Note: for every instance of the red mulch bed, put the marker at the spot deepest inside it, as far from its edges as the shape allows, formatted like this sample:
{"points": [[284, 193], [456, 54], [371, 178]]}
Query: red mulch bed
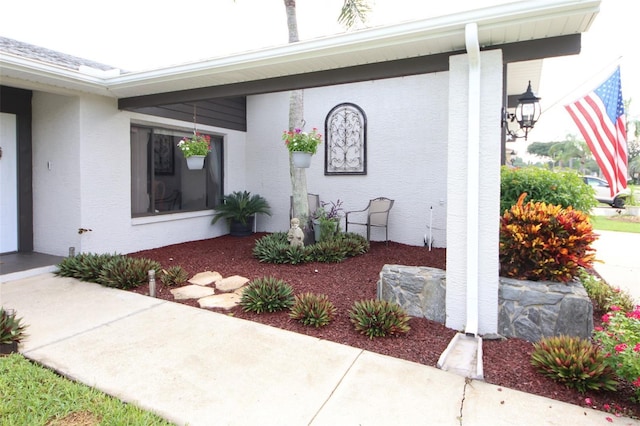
{"points": [[506, 362]]}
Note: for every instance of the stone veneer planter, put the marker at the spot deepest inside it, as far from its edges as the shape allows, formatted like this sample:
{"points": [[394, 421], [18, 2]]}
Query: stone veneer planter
{"points": [[526, 309]]}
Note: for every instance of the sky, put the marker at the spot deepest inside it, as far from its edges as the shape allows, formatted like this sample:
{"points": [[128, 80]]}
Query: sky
{"points": [[138, 35]]}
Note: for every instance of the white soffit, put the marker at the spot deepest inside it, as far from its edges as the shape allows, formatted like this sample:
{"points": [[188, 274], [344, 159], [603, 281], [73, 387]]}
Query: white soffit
{"points": [[507, 23]]}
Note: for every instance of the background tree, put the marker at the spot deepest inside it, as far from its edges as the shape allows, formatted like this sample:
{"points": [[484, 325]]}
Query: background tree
{"points": [[571, 152], [352, 12]]}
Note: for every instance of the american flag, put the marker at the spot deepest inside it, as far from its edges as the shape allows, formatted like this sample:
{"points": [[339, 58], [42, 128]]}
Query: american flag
{"points": [[600, 118]]}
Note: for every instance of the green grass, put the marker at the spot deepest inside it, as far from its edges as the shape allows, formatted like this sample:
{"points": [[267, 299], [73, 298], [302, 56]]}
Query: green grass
{"points": [[604, 223], [33, 395]]}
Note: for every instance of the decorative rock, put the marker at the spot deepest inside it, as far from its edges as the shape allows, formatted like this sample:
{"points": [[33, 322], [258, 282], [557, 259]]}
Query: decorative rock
{"points": [[224, 301], [192, 292], [205, 278], [231, 283], [421, 291], [528, 310], [531, 310]]}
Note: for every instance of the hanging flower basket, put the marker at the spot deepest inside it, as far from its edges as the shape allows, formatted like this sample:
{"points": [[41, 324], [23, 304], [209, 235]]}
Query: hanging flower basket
{"points": [[195, 162], [302, 145], [301, 160], [195, 148]]}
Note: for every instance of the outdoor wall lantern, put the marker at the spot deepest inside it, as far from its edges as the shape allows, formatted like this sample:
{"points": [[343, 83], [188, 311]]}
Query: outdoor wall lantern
{"points": [[527, 114]]}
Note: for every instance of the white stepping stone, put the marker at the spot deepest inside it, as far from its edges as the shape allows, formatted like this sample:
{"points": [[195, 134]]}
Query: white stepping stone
{"points": [[231, 283], [205, 278], [223, 301], [192, 292]]}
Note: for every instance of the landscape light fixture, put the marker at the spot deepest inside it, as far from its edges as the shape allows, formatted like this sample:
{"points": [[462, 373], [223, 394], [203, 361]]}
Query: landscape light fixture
{"points": [[527, 114]]}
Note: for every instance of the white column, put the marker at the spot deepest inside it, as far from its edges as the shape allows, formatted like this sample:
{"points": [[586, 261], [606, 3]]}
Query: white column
{"points": [[473, 194]]}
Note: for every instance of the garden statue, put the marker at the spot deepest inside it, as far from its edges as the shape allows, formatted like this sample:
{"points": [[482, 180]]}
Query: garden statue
{"points": [[296, 235]]}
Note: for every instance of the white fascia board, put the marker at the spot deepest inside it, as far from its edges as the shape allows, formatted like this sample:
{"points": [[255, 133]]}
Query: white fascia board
{"points": [[450, 26], [41, 73]]}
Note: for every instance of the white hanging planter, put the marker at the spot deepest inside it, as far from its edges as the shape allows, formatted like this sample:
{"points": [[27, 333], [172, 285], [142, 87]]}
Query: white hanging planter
{"points": [[195, 162], [301, 160]]}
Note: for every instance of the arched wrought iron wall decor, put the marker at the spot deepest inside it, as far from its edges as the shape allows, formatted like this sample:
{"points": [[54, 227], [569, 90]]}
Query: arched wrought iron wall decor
{"points": [[345, 147]]}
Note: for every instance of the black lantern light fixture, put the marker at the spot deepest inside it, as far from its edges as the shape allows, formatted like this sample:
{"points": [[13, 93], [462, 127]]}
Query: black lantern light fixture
{"points": [[527, 114]]}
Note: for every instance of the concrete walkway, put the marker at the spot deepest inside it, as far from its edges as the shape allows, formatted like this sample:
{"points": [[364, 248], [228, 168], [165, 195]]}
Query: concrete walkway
{"points": [[619, 260], [196, 367]]}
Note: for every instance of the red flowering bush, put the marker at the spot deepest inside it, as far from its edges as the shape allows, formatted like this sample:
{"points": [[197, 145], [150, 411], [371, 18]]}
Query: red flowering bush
{"points": [[619, 340], [540, 241]]}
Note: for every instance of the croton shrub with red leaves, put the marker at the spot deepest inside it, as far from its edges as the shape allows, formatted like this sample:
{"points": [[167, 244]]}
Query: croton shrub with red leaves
{"points": [[540, 241]]}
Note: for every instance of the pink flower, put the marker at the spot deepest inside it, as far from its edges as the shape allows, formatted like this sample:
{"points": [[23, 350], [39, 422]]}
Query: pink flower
{"points": [[636, 347], [606, 407], [605, 318], [621, 347], [636, 382], [588, 401], [609, 419], [634, 314], [598, 328], [614, 308]]}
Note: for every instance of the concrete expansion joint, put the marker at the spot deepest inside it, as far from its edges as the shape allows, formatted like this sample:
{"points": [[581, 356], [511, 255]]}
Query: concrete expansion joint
{"points": [[336, 387], [88, 330]]}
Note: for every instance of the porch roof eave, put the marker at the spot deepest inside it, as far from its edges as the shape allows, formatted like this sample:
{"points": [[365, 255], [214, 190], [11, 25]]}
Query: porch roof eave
{"points": [[505, 24], [499, 25]]}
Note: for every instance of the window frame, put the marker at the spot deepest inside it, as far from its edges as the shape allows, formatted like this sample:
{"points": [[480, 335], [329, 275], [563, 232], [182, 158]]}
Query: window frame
{"points": [[174, 164]]}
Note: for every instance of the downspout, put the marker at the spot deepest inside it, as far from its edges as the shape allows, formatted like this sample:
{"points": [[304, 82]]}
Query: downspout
{"points": [[473, 175]]}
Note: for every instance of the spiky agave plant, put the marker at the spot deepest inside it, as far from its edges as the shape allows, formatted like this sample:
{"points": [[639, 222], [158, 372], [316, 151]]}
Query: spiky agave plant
{"points": [[11, 328]]}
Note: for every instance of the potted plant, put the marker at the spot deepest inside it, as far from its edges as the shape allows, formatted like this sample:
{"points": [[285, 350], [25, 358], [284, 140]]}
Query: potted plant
{"points": [[326, 220], [11, 331], [302, 145], [239, 208], [195, 148]]}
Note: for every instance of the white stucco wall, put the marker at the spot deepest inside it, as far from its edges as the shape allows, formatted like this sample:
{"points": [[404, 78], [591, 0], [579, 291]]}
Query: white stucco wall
{"points": [[406, 153], [56, 172], [489, 200], [86, 139]]}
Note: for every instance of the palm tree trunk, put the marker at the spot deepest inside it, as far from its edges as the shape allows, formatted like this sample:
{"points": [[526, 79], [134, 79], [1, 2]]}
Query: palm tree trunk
{"points": [[296, 119]]}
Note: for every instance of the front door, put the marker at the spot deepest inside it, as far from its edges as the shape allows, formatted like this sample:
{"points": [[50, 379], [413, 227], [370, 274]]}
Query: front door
{"points": [[9, 186]]}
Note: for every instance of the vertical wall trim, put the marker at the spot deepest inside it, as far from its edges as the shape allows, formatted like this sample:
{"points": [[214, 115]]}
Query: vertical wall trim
{"points": [[473, 176]]}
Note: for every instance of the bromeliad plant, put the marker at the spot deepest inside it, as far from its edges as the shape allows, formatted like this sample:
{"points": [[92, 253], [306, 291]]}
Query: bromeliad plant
{"points": [[573, 361], [11, 328], [198, 144], [540, 241], [378, 318], [299, 141], [619, 340], [313, 309], [267, 294]]}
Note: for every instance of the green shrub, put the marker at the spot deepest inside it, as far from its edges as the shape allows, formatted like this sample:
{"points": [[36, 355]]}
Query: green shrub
{"points": [[573, 361], [603, 295], [174, 275], [598, 291], [127, 272], [84, 266], [539, 241], [378, 318], [621, 299], [267, 294], [274, 248], [564, 188], [313, 309]]}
